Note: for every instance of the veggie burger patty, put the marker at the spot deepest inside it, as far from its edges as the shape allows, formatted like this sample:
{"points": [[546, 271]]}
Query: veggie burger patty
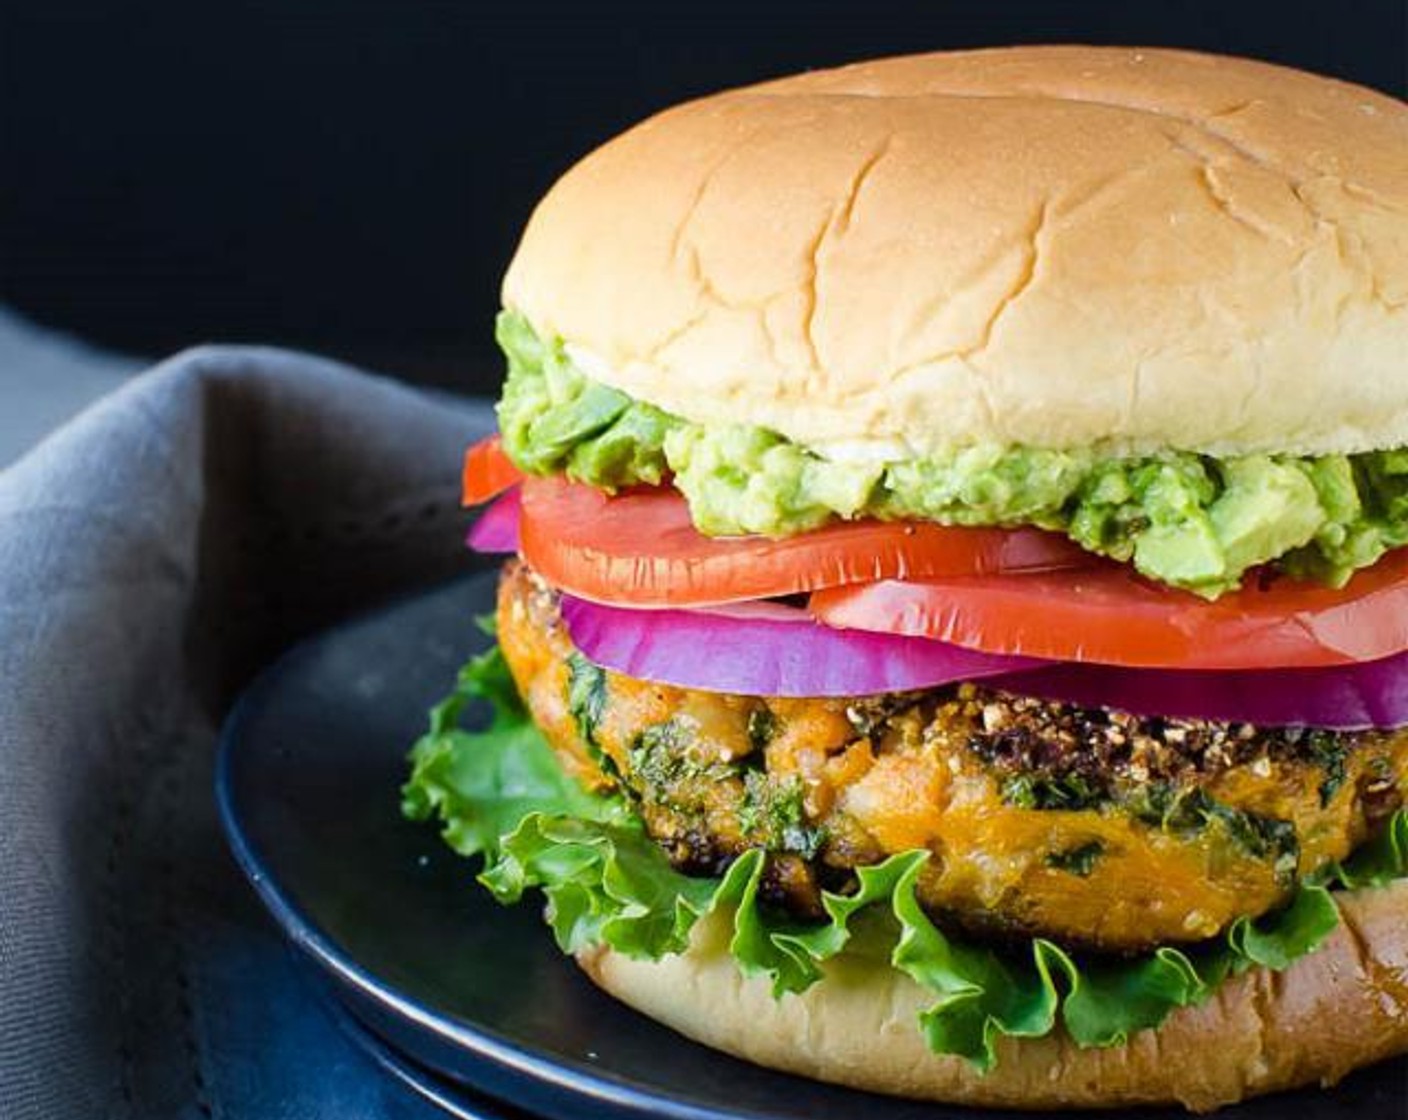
{"points": [[1091, 827]]}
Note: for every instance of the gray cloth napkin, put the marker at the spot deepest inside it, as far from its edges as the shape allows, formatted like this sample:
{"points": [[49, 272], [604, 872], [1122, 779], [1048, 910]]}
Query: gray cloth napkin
{"points": [[153, 554]]}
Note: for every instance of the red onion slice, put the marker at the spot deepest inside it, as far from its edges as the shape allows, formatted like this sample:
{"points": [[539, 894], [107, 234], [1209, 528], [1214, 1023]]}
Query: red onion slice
{"points": [[496, 529], [1371, 694], [774, 650], [767, 655]]}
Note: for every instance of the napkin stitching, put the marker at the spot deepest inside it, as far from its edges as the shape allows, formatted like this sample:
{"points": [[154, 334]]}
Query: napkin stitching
{"points": [[120, 860], [173, 886]]}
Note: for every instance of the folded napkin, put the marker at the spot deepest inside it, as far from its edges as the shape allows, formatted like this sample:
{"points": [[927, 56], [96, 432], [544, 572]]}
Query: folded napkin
{"points": [[153, 554]]}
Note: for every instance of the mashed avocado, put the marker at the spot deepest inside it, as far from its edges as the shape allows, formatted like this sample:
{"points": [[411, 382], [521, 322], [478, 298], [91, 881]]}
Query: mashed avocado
{"points": [[1187, 520]]}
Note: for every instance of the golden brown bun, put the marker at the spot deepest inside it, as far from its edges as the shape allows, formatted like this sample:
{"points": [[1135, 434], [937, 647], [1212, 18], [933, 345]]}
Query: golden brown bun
{"points": [[1339, 1008], [1050, 246]]}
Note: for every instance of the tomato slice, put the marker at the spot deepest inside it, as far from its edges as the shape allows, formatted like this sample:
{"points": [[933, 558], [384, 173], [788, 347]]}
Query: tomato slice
{"points": [[1108, 615], [640, 549], [488, 472]]}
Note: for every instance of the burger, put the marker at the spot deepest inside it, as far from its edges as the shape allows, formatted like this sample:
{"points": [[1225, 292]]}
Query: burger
{"points": [[956, 636]]}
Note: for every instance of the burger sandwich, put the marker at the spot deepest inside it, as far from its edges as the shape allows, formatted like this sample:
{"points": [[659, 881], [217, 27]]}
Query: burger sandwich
{"points": [[955, 641]]}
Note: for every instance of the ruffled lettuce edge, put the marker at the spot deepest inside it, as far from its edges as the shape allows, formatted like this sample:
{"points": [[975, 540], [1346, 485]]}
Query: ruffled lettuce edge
{"points": [[501, 795]]}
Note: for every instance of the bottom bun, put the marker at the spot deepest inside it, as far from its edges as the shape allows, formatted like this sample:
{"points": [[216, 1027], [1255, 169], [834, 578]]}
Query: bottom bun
{"points": [[1342, 1007]]}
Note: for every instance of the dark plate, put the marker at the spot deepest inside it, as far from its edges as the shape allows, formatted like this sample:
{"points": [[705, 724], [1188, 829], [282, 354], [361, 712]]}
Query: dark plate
{"points": [[311, 762]]}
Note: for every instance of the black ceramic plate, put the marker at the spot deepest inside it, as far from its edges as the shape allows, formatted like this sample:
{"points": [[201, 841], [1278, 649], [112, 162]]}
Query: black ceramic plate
{"points": [[310, 768]]}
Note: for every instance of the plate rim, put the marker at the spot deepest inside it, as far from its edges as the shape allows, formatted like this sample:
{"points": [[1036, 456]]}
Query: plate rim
{"points": [[405, 1070]]}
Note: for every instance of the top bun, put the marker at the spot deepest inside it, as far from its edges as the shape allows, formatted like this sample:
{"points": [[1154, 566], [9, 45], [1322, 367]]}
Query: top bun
{"points": [[1059, 247]]}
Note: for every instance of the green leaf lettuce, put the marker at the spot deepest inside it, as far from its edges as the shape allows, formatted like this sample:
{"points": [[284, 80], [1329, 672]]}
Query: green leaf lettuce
{"points": [[499, 793]]}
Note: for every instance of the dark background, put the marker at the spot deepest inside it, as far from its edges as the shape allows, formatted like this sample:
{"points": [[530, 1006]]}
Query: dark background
{"points": [[351, 177]]}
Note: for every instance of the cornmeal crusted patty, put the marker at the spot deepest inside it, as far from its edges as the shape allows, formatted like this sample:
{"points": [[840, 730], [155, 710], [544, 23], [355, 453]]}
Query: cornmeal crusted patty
{"points": [[1095, 828]]}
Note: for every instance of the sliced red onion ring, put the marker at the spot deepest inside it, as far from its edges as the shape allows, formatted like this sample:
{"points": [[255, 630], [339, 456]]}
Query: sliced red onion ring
{"points": [[771, 650], [1370, 694], [767, 654], [496, 529]]}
